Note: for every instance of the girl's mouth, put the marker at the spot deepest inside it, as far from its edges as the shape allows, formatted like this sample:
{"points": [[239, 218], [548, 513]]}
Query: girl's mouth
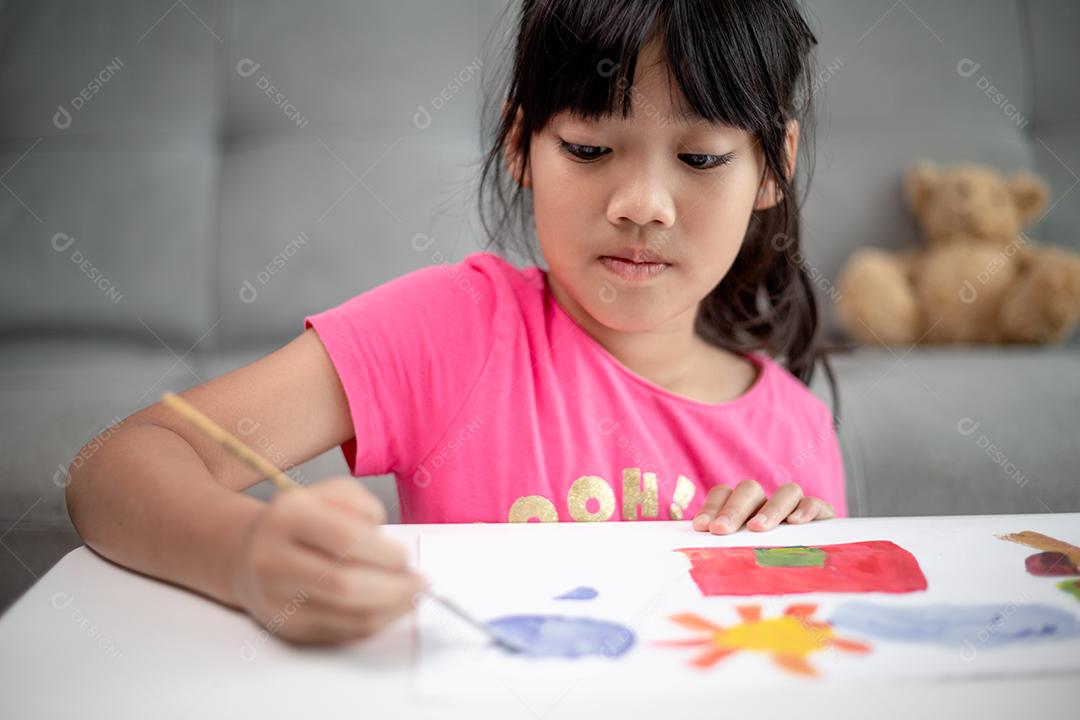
{"points": [[630, 271]]}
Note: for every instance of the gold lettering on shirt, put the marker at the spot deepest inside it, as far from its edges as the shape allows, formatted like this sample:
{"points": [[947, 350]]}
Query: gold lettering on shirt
{"points": [[634, 495], [680, 499], [527, 507], [640, 490], [590, 487]]}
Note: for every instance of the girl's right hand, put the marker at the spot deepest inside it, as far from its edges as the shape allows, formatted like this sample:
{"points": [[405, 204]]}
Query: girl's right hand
{"points": [[314, 567]]}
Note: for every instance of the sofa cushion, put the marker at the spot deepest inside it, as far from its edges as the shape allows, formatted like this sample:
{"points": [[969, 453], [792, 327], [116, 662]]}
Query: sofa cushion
{"points": [[959, 431], [109, 155]]}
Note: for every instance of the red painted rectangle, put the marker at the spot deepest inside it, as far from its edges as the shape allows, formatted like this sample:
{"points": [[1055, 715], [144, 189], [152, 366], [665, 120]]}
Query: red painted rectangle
{"points": [[866, 566]]}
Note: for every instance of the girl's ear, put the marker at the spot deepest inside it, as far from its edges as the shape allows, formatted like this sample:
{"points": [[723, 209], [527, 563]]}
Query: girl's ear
{"points": [[769, 194], [511, 150]]}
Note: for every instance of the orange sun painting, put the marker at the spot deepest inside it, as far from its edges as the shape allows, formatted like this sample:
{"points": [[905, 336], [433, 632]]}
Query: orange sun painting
{"points": [[789, 638]]}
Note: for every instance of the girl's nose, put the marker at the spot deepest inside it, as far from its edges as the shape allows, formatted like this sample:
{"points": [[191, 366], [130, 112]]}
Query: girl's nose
{"points": [[642, 198]]}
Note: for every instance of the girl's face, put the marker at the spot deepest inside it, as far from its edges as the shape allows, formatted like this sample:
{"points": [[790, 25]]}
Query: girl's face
{"points": [[677, 191]]}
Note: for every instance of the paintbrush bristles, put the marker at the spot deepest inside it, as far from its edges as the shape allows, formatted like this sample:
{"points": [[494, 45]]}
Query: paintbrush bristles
{"points": [[228, 441]]}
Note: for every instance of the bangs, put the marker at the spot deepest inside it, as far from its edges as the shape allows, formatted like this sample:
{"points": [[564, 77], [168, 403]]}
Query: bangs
{"points": [[581, 58]]}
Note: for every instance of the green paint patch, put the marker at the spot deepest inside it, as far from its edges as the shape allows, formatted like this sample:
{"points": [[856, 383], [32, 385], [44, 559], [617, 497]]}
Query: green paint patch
{"points": [[1071, 586], [795, 556]]}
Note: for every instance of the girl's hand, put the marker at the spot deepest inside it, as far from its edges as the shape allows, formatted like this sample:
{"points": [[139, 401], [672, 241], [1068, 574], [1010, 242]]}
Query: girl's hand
{"points": [[725, 510], [315, 568]]}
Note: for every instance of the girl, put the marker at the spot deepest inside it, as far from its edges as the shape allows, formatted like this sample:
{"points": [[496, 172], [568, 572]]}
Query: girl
{"points": [[650, 148]]}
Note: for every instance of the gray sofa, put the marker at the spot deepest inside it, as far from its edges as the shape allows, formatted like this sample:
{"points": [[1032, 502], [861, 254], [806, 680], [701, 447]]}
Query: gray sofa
{"points": [[183, 182]]}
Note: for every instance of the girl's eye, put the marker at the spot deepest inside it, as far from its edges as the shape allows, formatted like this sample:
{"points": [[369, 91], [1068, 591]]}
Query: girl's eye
{"points": [[584, 152], [698, 162], [706, 162]]}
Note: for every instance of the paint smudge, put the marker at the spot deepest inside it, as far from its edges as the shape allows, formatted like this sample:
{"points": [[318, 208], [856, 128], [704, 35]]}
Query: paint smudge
{"points": [[866, 566], [1045, 543], [582, 592], [564, 637], [1050, 564], [989, 625], [1070, 586], [788, 639], [793, 556]]}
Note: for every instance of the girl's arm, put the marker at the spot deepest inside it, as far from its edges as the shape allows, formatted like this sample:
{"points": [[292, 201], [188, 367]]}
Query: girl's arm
{"points": [[159, 497], [146, 500]]}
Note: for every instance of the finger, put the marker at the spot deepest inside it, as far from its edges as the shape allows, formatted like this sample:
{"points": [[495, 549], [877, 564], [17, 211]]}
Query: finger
{"points": [[744, 500], [351, 495], [810, 508], [344, 538], [319, 624], [346, 628], [779, 506], [348, 588], [713, 502], [295, 614]]}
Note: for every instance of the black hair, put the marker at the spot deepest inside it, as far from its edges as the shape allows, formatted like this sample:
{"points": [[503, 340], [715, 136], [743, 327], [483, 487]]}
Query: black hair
{"points": [[740, 63]]}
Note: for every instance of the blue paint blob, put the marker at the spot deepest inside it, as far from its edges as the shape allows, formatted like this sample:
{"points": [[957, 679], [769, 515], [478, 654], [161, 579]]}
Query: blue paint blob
{"points": [[564, 637], [977, 625], [582, 592]]}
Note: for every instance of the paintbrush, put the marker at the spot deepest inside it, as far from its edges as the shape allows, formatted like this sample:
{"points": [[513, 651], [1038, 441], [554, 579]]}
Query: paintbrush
{"points": [[257, 462], [503, 642]]}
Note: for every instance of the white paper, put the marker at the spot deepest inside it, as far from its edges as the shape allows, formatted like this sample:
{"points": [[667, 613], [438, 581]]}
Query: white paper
{"points": [[641, 582]]}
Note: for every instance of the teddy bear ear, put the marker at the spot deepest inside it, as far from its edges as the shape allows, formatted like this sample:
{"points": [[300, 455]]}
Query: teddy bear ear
{"points": [[1029, 192], [919, 183]]}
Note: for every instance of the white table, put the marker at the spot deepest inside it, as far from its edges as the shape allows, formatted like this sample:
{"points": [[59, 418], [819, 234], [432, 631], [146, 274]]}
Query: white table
{"points": [[94, 640]]}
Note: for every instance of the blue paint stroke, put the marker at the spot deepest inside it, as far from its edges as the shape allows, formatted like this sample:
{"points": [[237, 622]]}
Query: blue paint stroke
{"points": [[988, 625], [583, 592], [564, 637]]}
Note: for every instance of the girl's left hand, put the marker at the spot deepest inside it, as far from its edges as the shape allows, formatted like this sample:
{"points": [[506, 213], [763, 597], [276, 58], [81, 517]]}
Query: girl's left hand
{"points": [[726, 510]]}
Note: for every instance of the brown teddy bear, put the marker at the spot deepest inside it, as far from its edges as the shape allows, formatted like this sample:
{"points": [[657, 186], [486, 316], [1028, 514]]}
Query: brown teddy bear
{"points": [[978, 280]]}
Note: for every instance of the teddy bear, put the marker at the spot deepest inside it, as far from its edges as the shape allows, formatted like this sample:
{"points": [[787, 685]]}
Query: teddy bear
{"points": [[978, 279]]}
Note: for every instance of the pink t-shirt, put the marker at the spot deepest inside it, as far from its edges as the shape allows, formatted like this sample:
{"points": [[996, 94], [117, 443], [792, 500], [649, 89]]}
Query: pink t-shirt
{"points": [[489, 403]]}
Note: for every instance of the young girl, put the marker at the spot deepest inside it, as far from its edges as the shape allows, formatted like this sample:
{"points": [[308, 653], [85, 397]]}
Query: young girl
{"points": [[651, 146]]}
